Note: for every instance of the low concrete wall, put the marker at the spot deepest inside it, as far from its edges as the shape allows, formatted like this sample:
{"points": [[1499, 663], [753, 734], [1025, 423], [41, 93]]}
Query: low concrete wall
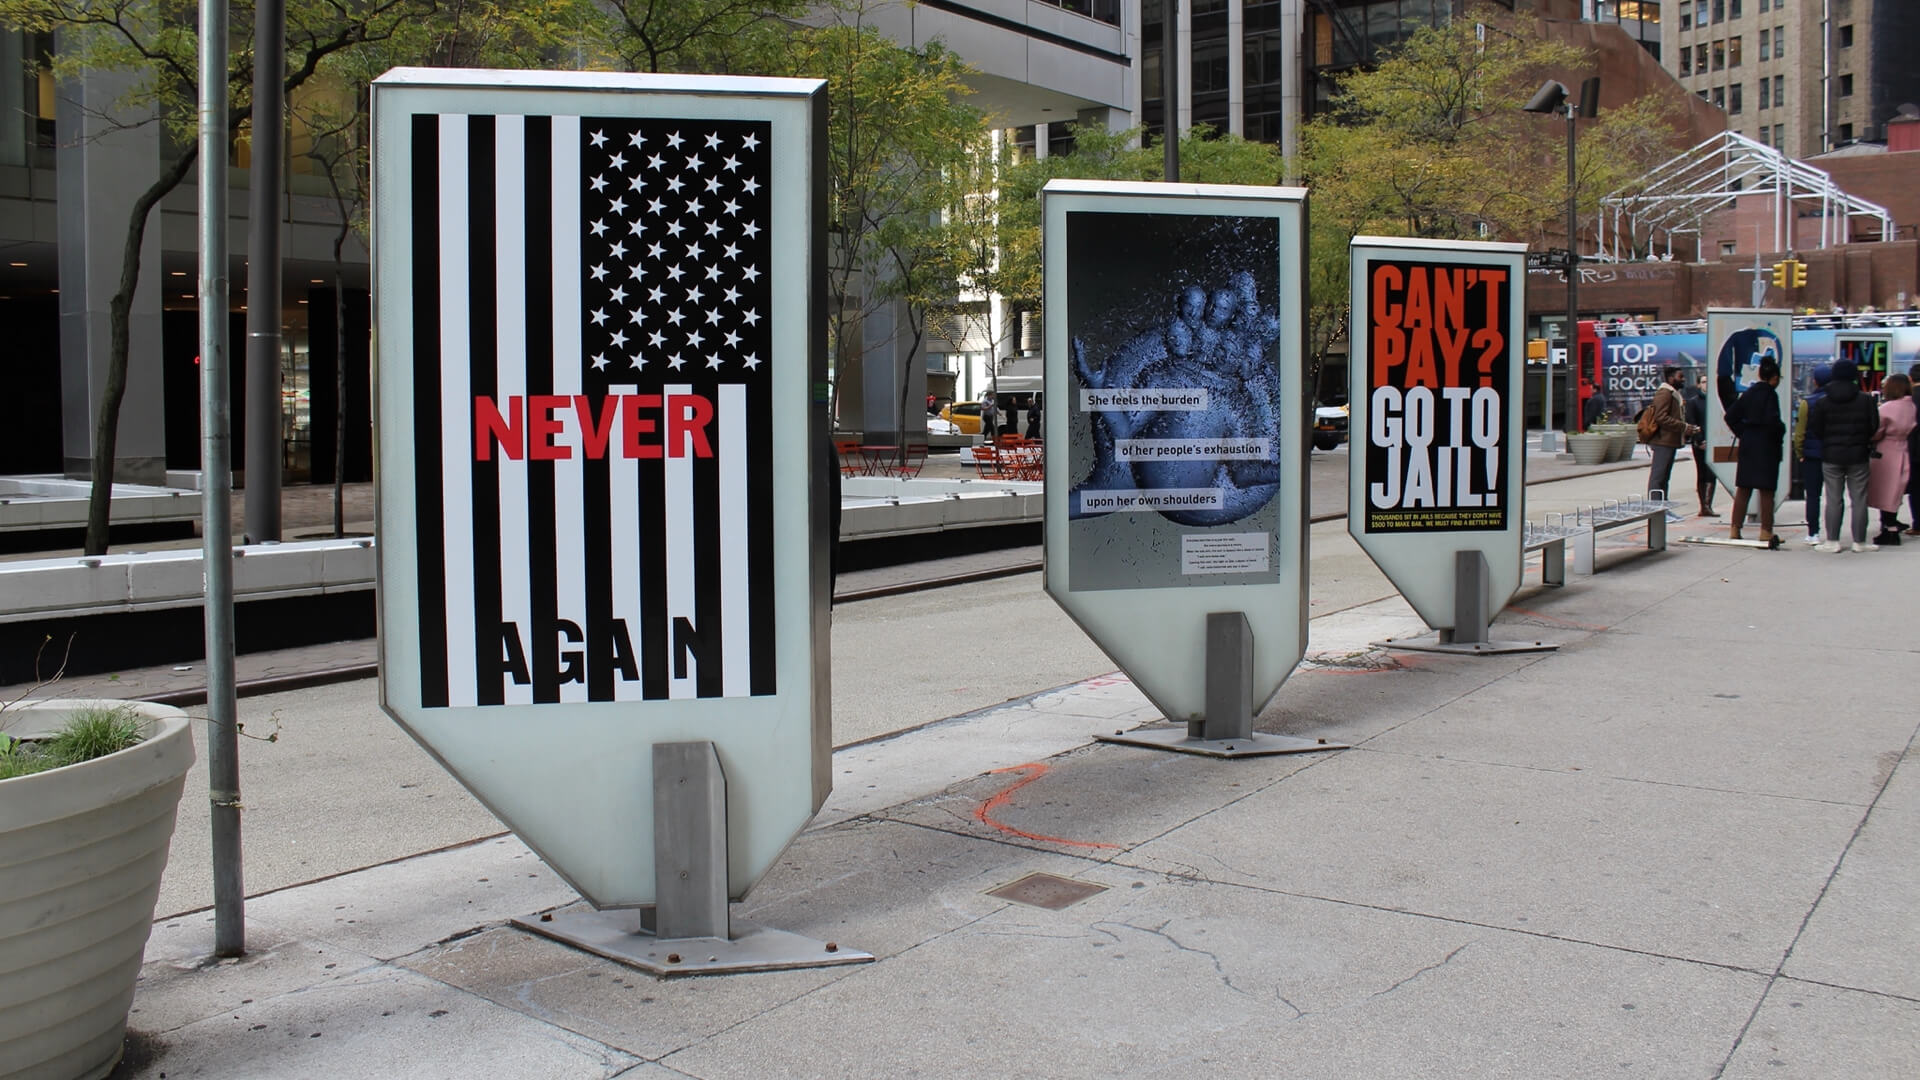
{"points": [[148, 581]]}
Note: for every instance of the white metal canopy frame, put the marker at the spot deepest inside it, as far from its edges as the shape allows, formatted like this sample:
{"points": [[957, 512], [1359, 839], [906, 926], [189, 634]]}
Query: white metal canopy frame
{"points": [[1675, 197]]}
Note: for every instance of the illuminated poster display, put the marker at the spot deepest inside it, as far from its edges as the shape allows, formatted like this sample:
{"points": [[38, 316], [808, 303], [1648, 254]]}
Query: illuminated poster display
{"points": [[1176, 424], [1737, 340], [1438, 447], [595, 345]]}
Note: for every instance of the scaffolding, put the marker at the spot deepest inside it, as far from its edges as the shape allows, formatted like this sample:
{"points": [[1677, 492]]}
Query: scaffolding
{"points": [[1672, 200]]}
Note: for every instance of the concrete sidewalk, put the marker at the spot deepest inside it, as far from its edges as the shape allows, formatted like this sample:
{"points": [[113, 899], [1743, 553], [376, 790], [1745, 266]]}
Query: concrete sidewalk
{"points": [[1682, 845]]}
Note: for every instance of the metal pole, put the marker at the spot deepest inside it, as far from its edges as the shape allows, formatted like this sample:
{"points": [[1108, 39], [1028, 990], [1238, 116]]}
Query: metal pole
{"points": [[1573, 295], [1169, 90], [263, 274], [216, 472]]}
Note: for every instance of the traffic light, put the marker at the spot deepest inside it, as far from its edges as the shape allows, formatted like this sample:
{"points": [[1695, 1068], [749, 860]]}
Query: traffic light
{"points": [[1780, 274], [1799, 274]]}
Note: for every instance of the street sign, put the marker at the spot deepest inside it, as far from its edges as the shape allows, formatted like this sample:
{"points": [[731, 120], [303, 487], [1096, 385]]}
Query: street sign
{"points": [[1551, 259], [1439, 447], [597, 336], [1737, 340], [1177, 430]]}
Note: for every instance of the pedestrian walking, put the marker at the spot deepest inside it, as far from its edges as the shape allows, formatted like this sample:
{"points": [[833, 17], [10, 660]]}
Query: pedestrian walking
{"points": [[1889, 468], [1668, 421], [1704, 482], [989, 417], [1806, 450], [1755, 419], [1844, 422]]}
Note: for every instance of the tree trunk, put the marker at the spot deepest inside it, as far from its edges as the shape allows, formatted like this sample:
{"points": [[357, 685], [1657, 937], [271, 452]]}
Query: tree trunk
{"points": [[106, 428]]}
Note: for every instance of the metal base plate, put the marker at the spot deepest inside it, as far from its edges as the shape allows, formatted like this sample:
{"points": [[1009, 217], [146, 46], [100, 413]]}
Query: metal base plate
{"points": [[1774, 544], [617, 936], [1255, 745], [1432, 643]]}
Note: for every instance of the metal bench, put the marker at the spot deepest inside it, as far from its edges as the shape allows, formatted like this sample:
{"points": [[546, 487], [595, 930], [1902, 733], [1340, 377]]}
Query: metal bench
{"points": [[1588, 522]]}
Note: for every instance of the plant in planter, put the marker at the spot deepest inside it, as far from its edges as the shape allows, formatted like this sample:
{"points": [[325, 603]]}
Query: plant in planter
{"points": [[88, 792], [1588, 447]]}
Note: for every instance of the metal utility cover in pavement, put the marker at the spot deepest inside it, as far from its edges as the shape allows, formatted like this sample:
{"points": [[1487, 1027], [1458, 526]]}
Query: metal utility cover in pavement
{"points": [[1438, 444], [1046, 891], [600, 372], [1177, 425]]}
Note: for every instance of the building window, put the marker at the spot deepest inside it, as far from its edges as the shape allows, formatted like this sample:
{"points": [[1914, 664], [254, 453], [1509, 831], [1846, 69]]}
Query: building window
{"points": [[1846, 133], [1686, 17], [1733, 99], [1846, 86], [1766, 42], [1779, 91], [1764, 4], [1779, 42], [1719, 55], [1700, 57], [1846, 36], [1733, 9], [1779, 136], [1719, 11], [1719, 97], [1733, 51], [1764, 94], [1763, 134], [1686, 62]]}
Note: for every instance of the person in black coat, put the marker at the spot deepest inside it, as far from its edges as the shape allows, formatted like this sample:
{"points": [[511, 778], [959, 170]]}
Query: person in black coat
{"points": [[1703, 479], [1755, 418], [1844, 421]]}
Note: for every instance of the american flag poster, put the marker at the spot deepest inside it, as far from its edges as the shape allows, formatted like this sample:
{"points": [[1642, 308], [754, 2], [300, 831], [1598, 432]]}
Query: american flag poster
{"points": [[592, 424]]}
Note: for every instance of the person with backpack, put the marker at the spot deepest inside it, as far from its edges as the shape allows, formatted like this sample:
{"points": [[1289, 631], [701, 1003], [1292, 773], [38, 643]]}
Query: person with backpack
{"points": [[1844, 422], [1807, 449], [1663, 427]]}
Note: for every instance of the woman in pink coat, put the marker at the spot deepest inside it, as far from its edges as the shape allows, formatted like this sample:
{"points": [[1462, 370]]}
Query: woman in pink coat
{"points": [[1889, 469]]}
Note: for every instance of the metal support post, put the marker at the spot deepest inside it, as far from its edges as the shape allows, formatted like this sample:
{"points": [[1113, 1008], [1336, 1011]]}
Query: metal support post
{"points": [[1227, 728], [261, 515], [689, 841], [687, 931], [1472, 616], [216, 464]]}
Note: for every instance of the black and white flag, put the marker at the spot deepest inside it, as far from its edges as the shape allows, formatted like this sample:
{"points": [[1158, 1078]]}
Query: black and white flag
{"points": [[593, 425]]}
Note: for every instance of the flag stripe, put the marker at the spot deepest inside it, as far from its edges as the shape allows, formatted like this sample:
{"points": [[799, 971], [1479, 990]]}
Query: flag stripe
{"points": [[759, 526], [578, 593], [429, 523], [681, 568], [484, 191], [708, 561], [542, 544], [456, 398], [515, 605], [733, 539]]}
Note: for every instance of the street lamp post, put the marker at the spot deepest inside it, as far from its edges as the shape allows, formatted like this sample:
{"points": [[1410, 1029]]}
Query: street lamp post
{"points": [[1552, 97]]}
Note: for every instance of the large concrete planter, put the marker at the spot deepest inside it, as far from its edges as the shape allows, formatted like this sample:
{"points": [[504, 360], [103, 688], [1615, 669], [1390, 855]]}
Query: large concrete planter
{"points": [[81, 851]]}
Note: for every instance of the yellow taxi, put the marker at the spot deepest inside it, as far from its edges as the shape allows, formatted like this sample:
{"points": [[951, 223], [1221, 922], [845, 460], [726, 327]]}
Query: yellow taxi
{"points": [[964, 415]]}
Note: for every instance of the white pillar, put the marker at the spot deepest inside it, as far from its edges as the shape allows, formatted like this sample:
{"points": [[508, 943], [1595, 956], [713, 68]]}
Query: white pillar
{"points": [[1237, 67]]}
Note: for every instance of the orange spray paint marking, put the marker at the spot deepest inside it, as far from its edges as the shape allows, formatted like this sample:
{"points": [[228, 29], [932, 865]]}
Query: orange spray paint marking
{"points": [[1030, 772]]}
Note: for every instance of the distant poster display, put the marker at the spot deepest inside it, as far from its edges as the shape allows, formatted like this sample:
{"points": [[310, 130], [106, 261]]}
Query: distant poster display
{"points": [[1738, 339], [1174, 426], [1438, 387]]}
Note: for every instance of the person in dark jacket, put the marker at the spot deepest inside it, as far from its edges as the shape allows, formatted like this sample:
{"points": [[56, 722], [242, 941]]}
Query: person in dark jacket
{"points": [[1763, 443], [1703, 480], [1807, 449], [1844, 422]]}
